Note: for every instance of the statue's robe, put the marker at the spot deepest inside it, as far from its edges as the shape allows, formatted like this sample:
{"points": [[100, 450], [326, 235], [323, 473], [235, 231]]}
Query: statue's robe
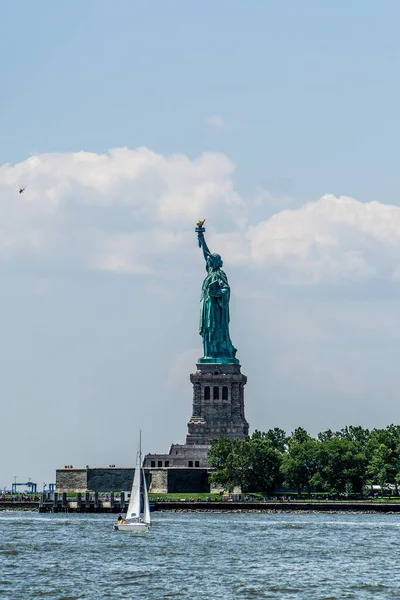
{"points": [[214, 317]]}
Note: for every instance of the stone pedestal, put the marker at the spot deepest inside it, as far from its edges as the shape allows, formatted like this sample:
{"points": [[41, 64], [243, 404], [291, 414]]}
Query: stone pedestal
{"points": [[218, 404], [218, 413]]}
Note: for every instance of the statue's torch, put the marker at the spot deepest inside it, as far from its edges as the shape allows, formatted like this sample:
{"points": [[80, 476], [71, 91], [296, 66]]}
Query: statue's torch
{"points": [[200, 230]]}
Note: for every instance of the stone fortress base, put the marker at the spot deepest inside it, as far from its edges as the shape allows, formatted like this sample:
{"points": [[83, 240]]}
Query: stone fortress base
{"points": [[116, 479]]}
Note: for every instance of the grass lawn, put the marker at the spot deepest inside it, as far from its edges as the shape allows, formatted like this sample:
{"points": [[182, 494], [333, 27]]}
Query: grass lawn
{"points": [[179, 497]]}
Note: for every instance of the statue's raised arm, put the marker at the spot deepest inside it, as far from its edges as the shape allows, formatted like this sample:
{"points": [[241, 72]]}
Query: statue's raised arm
{"points": [[202, 242], [214, 308]]}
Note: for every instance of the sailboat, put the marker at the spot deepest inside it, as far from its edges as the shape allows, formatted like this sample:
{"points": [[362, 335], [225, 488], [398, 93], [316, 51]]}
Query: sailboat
{"points": [[137, 520]]}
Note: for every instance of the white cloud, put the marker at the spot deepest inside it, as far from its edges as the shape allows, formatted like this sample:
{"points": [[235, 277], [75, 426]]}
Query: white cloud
{"points": [[131, 211], [171, 187], [110, 211], [332, 239]]}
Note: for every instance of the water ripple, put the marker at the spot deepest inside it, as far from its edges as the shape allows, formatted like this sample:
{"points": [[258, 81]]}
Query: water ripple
{"points": [[201, 556]]}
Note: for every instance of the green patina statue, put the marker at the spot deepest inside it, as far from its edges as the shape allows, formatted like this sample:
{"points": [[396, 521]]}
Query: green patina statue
{"points": [[214, 309]]}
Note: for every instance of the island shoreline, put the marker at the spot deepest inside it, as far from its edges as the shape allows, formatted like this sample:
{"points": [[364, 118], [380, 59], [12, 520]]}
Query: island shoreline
{"points": [[225, 507]]}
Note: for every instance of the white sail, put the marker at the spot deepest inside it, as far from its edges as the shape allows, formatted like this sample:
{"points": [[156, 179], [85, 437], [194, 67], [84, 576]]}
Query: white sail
{"points": [[146, 512], [136, 521], [133, 512]]}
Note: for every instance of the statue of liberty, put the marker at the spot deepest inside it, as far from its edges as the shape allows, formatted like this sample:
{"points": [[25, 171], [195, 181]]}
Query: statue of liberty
{"points": [[214, 309]]}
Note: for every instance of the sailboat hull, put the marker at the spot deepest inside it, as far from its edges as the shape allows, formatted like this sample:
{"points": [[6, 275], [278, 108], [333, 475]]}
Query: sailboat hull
{"points": [[135, 528]]}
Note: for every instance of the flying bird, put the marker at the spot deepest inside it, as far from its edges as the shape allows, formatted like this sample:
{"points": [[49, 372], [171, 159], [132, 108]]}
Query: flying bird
{"points": [[21, 190]]}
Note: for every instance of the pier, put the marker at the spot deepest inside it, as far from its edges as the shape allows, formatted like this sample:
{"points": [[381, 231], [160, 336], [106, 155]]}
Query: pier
{"points": [[87, 502], [84, 502]]}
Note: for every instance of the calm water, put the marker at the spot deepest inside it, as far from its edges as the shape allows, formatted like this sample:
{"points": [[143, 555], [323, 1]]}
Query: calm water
{"points": [[200, 556]]}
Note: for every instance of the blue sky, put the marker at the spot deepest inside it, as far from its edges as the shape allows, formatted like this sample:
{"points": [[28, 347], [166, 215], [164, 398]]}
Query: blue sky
{"points": [[310, 89], [279, 123]]}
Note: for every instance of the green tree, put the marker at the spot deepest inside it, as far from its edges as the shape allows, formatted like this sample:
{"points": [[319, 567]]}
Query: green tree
{"points": [[300, 463], [252, 464], [355, 433], [261, 466], [226, 456], [380, 466], [277, 437], [337, 461], [326, 435], [340, 462], [390, 438]]}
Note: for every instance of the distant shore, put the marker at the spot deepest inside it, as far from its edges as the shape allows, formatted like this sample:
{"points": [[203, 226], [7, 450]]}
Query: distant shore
{"points": [[296, 506]]}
